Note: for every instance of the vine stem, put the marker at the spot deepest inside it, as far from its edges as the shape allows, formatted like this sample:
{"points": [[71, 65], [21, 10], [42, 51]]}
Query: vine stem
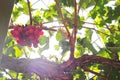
{"points": [[30, 15], [63, 20], [73, 38], [75, 20]]}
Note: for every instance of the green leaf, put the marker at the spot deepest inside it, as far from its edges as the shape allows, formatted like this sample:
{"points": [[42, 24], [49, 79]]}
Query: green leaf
{"points": [[50, 13], [65, 45], [77, 54], [92, 14], [87, 44], [1, 75], [12, 73], [67, 3], [89, 34], [16, 1], [9, 41], [117, 2], [18, 52], [99, 21], [104, 53], [79, 74], [86, 3], [24, 6], [80, 21], [46, 46], [43, 40], [59, 36], [56, 47], [10, 50], [81, 49], [37, 18]]}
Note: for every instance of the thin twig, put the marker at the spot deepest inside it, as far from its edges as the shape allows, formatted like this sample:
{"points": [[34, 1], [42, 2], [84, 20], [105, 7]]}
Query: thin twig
{"points": [[43, 22], [106, 25], [30, 15], [98, 74], [25, 53], [90, 23], [51, 29], [17, 74], [79, 6], [44, 27], [63, 20], [95, 30], [8, 74], [35, 2], [44, 3]]}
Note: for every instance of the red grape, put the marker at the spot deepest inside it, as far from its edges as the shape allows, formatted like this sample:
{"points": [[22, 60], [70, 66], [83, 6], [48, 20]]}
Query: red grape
{"points": [[27, 36]]}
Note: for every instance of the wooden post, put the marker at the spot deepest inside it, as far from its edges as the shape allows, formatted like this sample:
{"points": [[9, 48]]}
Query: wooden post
{"points": [[6, 7]]}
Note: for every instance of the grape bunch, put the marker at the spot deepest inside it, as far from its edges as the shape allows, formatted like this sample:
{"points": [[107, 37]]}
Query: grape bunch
{"points": [[27, 35]]}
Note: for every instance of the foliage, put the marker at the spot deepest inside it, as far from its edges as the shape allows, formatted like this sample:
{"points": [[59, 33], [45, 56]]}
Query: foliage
{"points": [[97, 36]]}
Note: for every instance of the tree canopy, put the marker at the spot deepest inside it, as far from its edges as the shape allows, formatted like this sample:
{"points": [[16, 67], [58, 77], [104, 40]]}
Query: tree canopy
{"points": [[71, 39]]}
